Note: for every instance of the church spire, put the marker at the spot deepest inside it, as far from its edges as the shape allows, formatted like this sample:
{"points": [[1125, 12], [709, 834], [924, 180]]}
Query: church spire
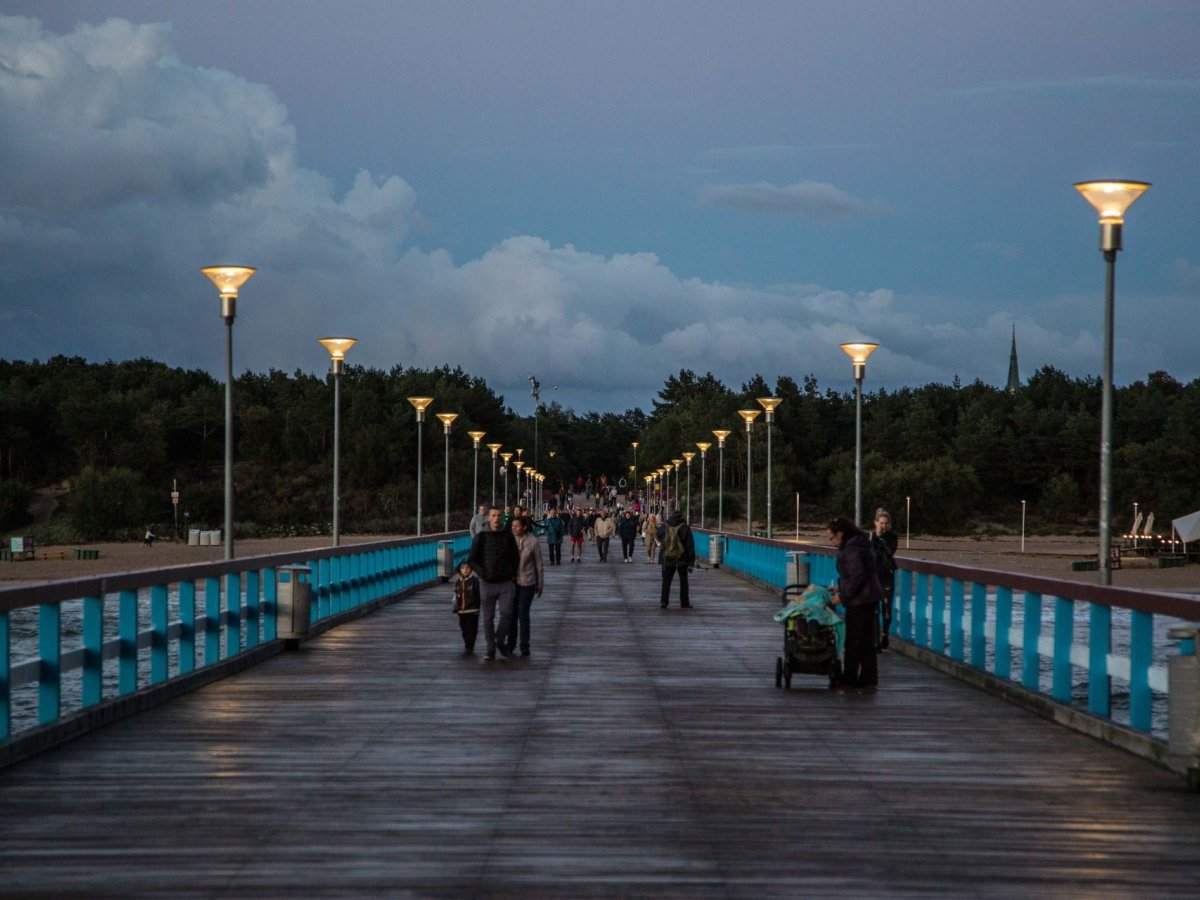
{"points": [[1014, 379]]}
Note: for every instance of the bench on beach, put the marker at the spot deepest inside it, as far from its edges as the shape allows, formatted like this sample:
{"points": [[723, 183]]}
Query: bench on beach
{"points": [[86, 553]]}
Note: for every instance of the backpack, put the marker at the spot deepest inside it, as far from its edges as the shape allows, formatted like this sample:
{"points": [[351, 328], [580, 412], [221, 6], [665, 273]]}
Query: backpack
{"points": [[672, 548]]}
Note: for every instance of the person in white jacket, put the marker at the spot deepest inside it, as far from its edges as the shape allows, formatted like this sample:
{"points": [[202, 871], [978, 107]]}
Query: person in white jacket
{"points": [[605, 528]]}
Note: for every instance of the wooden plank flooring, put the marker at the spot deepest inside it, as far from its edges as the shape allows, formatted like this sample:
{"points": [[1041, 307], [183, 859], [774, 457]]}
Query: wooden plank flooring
{"points": [[637, 753]]}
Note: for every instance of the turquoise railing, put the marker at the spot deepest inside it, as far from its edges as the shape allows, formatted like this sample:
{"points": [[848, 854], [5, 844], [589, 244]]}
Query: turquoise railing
{"points": [[1100, 650], [85, 643]]}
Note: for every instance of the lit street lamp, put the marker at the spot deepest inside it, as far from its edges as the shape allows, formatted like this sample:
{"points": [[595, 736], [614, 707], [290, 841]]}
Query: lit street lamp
{"points": [[337, 348], [495, 448], [506, 457], [1111, 199], [689, 455], [518, 497], [667, 487], [419, 404], [703, 445], [677, 463], [635, 446], [228, 279], [721, 434], [476, 437], [769, 404], [447, 421], [749, 415], [858, 353]]}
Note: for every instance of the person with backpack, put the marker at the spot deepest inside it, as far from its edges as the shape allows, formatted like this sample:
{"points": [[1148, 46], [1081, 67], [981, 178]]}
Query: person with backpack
{"points": [[677, 554], [884, 542]]}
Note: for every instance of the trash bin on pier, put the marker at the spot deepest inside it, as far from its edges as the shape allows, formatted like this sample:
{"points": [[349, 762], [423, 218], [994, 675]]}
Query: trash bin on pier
{"points": [[797, 568], [445, 559], [716, 548], [193, 537], [1183, 703], [293, 602]]}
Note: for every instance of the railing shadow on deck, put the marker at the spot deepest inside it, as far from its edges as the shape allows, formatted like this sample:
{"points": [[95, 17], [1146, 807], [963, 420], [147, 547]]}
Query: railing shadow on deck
{"points": [[1091, 657], [113, 667]]}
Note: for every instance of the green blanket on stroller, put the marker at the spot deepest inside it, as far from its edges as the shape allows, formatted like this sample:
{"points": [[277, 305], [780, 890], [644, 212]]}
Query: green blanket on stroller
{"points": [[816, 604]]}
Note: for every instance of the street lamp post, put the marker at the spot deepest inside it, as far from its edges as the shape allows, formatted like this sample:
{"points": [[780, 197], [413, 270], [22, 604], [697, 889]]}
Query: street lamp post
{"points": [[518, 497], [506, 457], [476, 437], [228, 279], [495, 448], [721, 434], [337, 348], [749, 415], [769, 404], [907, 521], [447, 421], [1022, 526], [858, 353], [689, 455], [420, 404], [672, 504], [1111, 199], [635, 446], [703, 445], [677, 463]]}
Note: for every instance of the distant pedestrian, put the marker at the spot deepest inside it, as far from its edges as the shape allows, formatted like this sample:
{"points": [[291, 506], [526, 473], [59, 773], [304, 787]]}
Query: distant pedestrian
{"points": [[650, 536], [603, 529], [150, 537], [556, 530], [494, 557], [576, 528], [678, 556], [859, 591], [478, 521], [529, 581], [884, 542], [466, 606], [627, 531]]}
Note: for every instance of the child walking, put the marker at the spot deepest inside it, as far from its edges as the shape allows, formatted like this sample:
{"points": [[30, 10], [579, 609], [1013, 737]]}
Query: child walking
{"points": [[466, 606]]}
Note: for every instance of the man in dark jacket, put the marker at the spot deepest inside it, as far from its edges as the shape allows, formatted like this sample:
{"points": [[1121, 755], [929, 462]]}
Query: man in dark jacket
{"points": [[494, 557], [556, 529], [627, 531], [677, 553], [859, 591], [576, 526]]}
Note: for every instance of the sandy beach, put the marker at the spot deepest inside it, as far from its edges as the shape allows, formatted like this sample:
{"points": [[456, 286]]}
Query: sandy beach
{"points": [[1047, 556]]}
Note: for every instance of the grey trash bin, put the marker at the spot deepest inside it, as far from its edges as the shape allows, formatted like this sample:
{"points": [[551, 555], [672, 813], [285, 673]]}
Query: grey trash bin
{"points": [[293, 602], [1183, 702], [797, 568], [445, 558], [716, 550]]}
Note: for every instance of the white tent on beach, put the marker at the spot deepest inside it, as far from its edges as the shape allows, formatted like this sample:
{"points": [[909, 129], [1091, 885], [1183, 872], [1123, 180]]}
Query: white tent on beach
{"points": [[1187, 527]]}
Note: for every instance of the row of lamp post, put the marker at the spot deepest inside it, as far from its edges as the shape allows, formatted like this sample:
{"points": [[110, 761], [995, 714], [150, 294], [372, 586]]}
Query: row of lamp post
{"points": [[1111, 199]]}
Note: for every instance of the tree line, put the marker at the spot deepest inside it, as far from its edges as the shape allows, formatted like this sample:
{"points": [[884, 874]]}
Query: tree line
{"points": [[91, 450]]}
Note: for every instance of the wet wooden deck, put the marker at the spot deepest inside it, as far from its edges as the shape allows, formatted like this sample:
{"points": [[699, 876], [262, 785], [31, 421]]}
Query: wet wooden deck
{"points": [[637, 753]]}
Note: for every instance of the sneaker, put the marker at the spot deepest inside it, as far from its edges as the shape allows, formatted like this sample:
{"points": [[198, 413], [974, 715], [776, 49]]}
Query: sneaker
{"points": [[491, 657]]}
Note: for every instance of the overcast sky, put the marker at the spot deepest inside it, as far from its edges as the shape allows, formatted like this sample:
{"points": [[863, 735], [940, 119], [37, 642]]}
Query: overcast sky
{"points": [[601, 193]]}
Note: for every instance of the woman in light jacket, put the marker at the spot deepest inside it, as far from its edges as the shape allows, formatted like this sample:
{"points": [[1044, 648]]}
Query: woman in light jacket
{"points": [[529, 580]]}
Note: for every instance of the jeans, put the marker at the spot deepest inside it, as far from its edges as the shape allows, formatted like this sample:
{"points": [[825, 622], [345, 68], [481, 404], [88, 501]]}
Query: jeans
{"points": [[627, 547], [524, 600], [602, 548], [495, 595], [668, 573], [555, 553]]}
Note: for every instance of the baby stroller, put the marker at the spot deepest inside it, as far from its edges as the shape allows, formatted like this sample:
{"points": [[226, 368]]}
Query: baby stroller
{"points": [[811, 642]]}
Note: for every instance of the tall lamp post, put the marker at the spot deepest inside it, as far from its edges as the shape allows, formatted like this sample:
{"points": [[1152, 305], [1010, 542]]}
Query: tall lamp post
{"points": [[749, 415], [337, 348], [689, 455], [703, 445], [447, 421], [1111, 199], [677, 463], [667, 472], [649, 480], [769, 404], [420, 404], [721, 434], [476, 437], [635, 446], [658, 474], [228, 279], [495, 448], [518, 497], [858, 353], [506, 457]]}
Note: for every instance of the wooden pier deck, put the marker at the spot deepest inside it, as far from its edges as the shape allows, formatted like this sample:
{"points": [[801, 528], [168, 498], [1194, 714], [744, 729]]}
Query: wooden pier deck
{"points": [[637, 753]]}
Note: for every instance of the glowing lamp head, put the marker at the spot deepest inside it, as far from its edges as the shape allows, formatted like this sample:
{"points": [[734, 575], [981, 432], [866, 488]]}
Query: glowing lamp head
{"points": [[635, 445], [519, 463], [447, 419], [721, 434], [476, 436], [506, 457], [228, 278], [420, 404], [1111, 199], [337, 348], [495, 448], [749, 415], [769, 404], [689, 455], [858, 352], [553, 453], [703, 445]]}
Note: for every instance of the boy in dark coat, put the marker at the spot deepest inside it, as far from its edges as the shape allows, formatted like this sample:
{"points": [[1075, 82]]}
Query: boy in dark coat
{"points": [[466, 606]]}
